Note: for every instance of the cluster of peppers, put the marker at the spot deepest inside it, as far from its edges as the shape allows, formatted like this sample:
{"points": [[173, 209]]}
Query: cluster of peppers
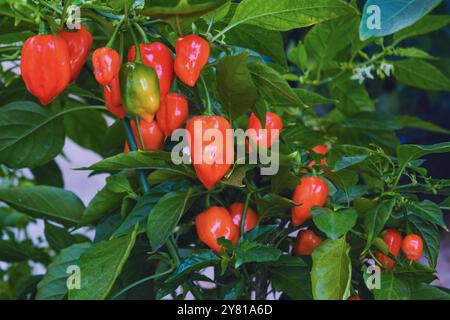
{"points": [[141, 87]]}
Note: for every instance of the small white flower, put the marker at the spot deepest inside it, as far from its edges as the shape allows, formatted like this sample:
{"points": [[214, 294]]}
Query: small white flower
{"points": [[367, 73], [387, 68], [358, 75]]}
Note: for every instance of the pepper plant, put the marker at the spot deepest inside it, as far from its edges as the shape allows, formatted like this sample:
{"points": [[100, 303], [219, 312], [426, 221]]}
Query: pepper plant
{"points": [[364, 203]]}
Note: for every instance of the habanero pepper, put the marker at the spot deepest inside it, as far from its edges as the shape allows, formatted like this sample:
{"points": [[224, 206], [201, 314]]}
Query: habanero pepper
{"points": [[192, 54], [322, 150], [307, 241], [172, 113], [157, 56], [312, 191], [264, 139], [45, 66], [251, 220], [211, 159], [80, 43], [354, 298], [106, 62], [152, 136], [412, 247], [113, 100], [214, 223], [393, 240], [140, 90]]}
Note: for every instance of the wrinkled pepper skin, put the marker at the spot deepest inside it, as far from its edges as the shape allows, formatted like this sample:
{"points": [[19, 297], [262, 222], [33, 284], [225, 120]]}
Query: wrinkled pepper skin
{"points": [[210, 160], [251, 220], [45, 66], [152, 136], [106, 62], [113, 100], [265, 140], [215, 223], [80, 43], [140, 90], [307, 241], [192, 54], [393, 239], [412, 247], [157, 56], [172, 113], [312, 191]]}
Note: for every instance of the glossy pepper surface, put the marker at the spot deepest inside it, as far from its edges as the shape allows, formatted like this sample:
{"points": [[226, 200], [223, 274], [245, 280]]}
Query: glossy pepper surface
{"points": [[264, 138], [140, 90], [215, 223], [192, 53], [80, 43], [393, 239], [412, 247], [307, 241], [172, 113], [211, 157], [113, 100], [45, 66], [106, 62], [157, 56], [312, 191], [152, 136], [251, 220]]}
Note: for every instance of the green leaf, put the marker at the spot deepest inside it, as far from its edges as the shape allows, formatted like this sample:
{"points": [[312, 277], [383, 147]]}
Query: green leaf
{"points": [[13, 37], [65, 207], [413, 53], [197, 261], [29, 135], [86, 128], [53, 285], [429, 211], [271, 84], [48, 174], [293, 281], [393, 16], [423, 291], [266, 42], [425, 25], [352, 97], [344, 156], [331, 270], [334, 224], [59, 238], [165, 8], [376, 218], [236, 90], [392, 288], [417, 123], [409, 152], [274, 204], [260, 232], [311, 98], [165, 216], [430, 235], [287, 15], [250, 251], [100, 265], [420, 74]]}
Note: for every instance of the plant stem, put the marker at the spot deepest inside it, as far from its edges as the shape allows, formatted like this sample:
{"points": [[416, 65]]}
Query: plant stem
{"points": [[114, 35], [141, 32], [209, 105], [244, 214]]}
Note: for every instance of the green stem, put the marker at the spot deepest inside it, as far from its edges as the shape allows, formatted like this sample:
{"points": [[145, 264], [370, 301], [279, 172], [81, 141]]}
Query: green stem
{"points": [[207, 200], [136, 45], [244, 214], [114, 35], [141, 32], [138, 128], [42, 28], [209, 106]]}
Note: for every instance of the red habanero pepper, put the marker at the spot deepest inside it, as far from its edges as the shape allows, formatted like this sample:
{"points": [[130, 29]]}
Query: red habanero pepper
{"points": [[157, 56], [172, 113], [354, 298], [45, 66], [312, 191], [265, 140], [393, 239], [322, 150], [307, 241], [214, 223], [79, 43], [211, 159], [113, 100], [236, 210], [152, 136], [192, 54], [106, 62], [412, 247]]}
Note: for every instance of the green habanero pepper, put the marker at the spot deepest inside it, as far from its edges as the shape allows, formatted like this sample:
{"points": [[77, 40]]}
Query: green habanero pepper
{"points": [[139, 87]]}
